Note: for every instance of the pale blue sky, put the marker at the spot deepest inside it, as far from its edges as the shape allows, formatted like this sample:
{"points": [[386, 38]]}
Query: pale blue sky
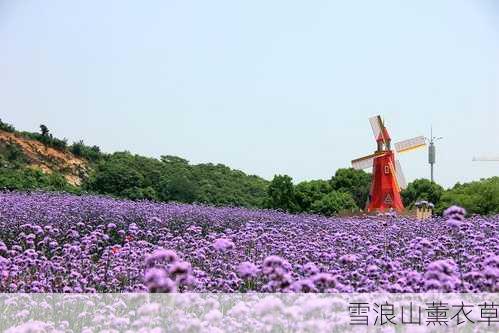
{"points": [[263, 86]]}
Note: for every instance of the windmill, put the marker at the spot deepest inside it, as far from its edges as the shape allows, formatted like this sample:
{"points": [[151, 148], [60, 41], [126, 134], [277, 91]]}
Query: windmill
{"points": [[388, 178]]}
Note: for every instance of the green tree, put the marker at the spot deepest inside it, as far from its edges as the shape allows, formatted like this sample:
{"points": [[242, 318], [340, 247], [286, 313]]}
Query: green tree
{"points": [[174, 160], [355, 182], [114, 178], [281, 194], [179, 188], [422, 189], [308, 192], [29, 179], [77, 148], [6, 127], [14, 153], [334, 203], [44, 130], [479, 197], [139, 193], [92, 154]]}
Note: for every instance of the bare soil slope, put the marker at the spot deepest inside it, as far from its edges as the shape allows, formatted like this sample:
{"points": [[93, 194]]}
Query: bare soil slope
{"points": [[48, 159]]}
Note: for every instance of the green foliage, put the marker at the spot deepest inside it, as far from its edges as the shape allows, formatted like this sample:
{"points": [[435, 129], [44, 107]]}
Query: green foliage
{"points": [[117, 176], [178, 187], [173, 179], [11, 154], [91, 154], [6, 127], [220, 185], [422, 189], [169, 159], [333, 203], [31, 179], [318, 196], [355, 182], [138, 193], [44, 130], [282, 194], [479, 197], [310, 191]]}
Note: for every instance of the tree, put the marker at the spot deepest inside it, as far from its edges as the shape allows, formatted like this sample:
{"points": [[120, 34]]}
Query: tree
{"points": [[111, 177], [44, 130], [174, 159], [29, 178], [92, 154], [178, 187], [334, 203], [77, 148], [310, 191], [220, 185], [138, 193], [479, 197], [281, 194], [14, 153], [355, 182], [422, 189], [6, 127]]}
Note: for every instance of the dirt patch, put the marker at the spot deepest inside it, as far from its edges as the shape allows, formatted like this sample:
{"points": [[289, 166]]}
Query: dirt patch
{"points": [[49, 159]]}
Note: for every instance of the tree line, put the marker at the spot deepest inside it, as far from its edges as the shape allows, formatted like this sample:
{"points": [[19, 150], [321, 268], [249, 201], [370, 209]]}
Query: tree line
{"points": [[172, 178]]}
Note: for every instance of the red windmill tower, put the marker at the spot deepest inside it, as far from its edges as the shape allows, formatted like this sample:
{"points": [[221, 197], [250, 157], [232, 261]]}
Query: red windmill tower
{"points": [[388, 178]]}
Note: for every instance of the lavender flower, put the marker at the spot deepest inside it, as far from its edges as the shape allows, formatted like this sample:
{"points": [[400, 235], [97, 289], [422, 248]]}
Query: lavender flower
{"points": [[223, 244], [157, 281], [161, 256], [73, 244], [247, 270], [455, 213]]}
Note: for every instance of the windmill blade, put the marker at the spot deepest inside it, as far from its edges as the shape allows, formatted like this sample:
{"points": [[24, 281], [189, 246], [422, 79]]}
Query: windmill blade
{"points": [[365, 162], [394, 173], [377, 126], [400, 175], [486, 159], [411, 144]]}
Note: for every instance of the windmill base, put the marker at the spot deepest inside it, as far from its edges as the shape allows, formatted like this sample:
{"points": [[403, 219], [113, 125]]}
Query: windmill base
{"points": [[385, 193]]}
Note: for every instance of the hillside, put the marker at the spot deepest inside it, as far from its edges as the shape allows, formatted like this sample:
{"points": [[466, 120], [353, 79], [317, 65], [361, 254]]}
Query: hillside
{"points": [[42, 161], [37, 155]]}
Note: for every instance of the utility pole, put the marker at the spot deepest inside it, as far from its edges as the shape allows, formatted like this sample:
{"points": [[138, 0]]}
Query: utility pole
{"points": [[432, 152]]}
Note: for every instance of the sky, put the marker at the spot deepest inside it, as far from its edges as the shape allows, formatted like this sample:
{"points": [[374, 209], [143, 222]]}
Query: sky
{"points": [[267, 87]]}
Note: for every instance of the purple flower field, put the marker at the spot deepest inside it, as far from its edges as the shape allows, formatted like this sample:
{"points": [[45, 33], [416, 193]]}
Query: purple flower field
{"points": [[63, 243]]}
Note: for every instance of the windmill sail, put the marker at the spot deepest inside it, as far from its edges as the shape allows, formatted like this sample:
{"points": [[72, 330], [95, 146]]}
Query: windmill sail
{"points": [[400, 175], [486, 159], [365, 162], [411, 144], [377, 127]]}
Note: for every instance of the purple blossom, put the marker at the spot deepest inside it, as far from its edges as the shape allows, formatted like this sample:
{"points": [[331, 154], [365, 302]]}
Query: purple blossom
{"points": [[247, 270], [111, 226], [65, 245], [161, 255], [348, 259], [223, 244], [455, 213], [157, 281], [3, 247]]}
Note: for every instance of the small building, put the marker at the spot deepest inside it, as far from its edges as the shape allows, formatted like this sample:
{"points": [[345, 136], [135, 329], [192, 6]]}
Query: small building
{"points": [[424, 210]]}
